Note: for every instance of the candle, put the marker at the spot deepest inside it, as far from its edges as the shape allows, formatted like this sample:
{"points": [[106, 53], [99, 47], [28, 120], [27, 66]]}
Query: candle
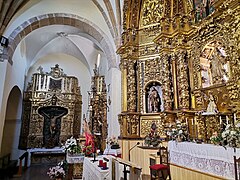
{"points": [[100, 163], [98, 60], [104, 165], [234, 118]]}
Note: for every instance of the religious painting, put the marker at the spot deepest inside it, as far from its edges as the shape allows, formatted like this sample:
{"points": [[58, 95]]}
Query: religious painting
{"points": [[154, 101], [203, 8], [55, 84], [214, 64]]}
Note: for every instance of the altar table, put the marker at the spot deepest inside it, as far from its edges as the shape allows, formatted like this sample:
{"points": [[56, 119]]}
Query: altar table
{"points": [[207, 158], [91, 171], [114, 152]]}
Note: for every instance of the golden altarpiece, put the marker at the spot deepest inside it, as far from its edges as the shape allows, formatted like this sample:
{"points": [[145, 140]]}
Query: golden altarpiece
{"points": [[97, 110], [52, 108], [187, 59]]}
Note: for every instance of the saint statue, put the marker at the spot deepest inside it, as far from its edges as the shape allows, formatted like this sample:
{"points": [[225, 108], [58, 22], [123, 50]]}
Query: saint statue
{"points": [[212, 107], [154, 101], [217, 69]]}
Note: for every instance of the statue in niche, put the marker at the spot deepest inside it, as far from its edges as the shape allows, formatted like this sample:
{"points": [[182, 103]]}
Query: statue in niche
{"points": [[52, 123], [212, 107], [154, 100]]}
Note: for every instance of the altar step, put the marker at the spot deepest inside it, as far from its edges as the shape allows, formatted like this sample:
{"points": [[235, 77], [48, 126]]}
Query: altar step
{"points": [[47, 157]]}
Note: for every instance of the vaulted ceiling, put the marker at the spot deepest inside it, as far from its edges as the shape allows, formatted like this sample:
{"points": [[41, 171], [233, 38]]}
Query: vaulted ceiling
{"points": [[78, 40]]}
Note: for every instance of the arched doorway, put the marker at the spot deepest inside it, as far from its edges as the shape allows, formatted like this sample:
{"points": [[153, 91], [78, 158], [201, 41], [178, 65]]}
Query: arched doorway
{"points": [[12, 125]]}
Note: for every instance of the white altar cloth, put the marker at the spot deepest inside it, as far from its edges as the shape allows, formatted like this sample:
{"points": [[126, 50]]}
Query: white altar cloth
{"points": [[91, 171], [208, 158], [115, 152]]}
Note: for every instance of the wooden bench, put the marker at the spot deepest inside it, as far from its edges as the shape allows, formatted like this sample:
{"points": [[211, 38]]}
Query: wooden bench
{"points": [[7, 166]]}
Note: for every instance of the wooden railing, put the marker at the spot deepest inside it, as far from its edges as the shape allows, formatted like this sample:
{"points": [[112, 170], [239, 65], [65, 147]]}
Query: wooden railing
{"points": [[7, 166], [21, 158]]}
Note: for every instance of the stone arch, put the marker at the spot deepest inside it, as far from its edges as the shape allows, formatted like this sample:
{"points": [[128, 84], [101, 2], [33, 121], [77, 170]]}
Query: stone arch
{"points": [[12, 125], [64, 19]]}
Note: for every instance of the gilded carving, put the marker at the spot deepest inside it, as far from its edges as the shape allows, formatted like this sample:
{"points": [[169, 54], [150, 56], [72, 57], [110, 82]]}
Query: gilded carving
{"points": [[166, 46], [131, 83], [41, 90], [152, 11], [146, 126], [167, 89], [129, 125], [182, 79]]}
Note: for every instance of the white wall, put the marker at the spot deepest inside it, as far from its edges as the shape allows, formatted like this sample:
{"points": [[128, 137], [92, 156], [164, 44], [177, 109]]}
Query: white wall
{"points": [[114, 79], [14, 77]]}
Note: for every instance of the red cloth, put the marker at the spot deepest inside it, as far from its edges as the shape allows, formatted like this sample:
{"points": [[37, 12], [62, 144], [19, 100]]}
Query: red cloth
{"points": [[158, 166]]}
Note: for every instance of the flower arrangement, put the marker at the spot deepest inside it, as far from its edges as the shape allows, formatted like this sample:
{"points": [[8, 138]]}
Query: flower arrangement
{"points": [[88, 150], [231, 135], [71, 146], [56, 171], [179, 132], [216, 138]]}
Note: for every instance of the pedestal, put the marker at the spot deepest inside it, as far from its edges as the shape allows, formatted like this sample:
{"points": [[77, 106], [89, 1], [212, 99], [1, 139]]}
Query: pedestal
{"points": [[75, 166]]}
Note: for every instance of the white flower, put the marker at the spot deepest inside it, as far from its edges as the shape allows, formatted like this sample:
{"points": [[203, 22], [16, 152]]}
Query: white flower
{"points": [[224, 134], [180, 132], [238, 125], [228, 126], [56, 171]]}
